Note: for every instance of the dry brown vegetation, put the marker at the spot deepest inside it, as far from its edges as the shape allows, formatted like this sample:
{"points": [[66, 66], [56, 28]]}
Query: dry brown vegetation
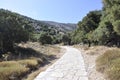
{"points": [[102, 63], [109, 64], [93, 50], [30, 57], [96, 50], [45, 49], [90, 55], [12, 70]]}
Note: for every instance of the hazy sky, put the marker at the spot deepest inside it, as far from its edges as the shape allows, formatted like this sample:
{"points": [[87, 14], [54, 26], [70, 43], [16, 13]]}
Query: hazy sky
{"points": [[67, 11]]}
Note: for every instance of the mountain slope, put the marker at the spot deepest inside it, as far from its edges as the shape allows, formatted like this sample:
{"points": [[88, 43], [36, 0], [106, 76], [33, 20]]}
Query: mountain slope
{"points": [[61, 26], [38, 25]]}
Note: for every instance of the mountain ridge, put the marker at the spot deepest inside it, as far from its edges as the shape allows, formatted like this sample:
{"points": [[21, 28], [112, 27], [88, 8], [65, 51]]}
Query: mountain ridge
{"points": [[38, 24]]}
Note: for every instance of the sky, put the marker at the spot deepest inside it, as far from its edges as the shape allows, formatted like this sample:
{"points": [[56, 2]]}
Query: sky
{"points": [[64, 11]]}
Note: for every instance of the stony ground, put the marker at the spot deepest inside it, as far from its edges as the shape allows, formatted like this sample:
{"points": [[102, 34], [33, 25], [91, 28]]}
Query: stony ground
{"points": [[69, 67]]}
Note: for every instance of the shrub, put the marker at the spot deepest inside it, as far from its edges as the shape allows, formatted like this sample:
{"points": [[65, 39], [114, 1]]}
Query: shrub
{"points": [[109, 64], [45, 39]]}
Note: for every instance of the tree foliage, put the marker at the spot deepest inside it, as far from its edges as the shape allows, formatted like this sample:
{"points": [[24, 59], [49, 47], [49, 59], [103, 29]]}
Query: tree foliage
{"points": [[66, 39], [45, 39], [12, 30], [86, 27], [100, 27]]}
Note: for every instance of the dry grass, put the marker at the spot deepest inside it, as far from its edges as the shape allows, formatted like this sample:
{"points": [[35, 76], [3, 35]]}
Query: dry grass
{"points": [[34, 74], [106, 59], [83, 47], [28, 62], [109, 64], [96, 50], [45, 49], [50, 50], [93, 50], [11, 70]]}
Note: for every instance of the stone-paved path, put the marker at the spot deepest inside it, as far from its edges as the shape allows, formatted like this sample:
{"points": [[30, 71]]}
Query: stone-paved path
{"points": [[69, 67]]}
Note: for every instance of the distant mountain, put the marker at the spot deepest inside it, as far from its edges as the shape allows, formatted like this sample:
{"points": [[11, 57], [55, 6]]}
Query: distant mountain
{"points": [[39, 25], [61, 26]]}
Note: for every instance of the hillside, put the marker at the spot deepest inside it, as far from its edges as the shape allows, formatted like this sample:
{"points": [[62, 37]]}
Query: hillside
{"points": [[38, 25], [61, 26], [15, 28]]}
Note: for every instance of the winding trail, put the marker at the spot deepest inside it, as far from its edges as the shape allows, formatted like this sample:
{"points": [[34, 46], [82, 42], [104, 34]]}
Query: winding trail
{"points": [[69, 67]]}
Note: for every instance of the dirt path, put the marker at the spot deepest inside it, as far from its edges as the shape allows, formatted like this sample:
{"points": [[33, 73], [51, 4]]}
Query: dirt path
{"points": [[69, 67]]}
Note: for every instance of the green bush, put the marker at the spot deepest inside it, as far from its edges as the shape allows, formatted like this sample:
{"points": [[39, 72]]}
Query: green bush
{"points": [[45, 39]]}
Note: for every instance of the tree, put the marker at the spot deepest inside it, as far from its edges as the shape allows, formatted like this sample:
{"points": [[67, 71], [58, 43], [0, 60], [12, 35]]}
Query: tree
{"points": [[100, 27], [11, 31], [66, 39], [90, 22], [1, 44], [108, 30], [86, 26], [45, 39], [116, 25]]}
